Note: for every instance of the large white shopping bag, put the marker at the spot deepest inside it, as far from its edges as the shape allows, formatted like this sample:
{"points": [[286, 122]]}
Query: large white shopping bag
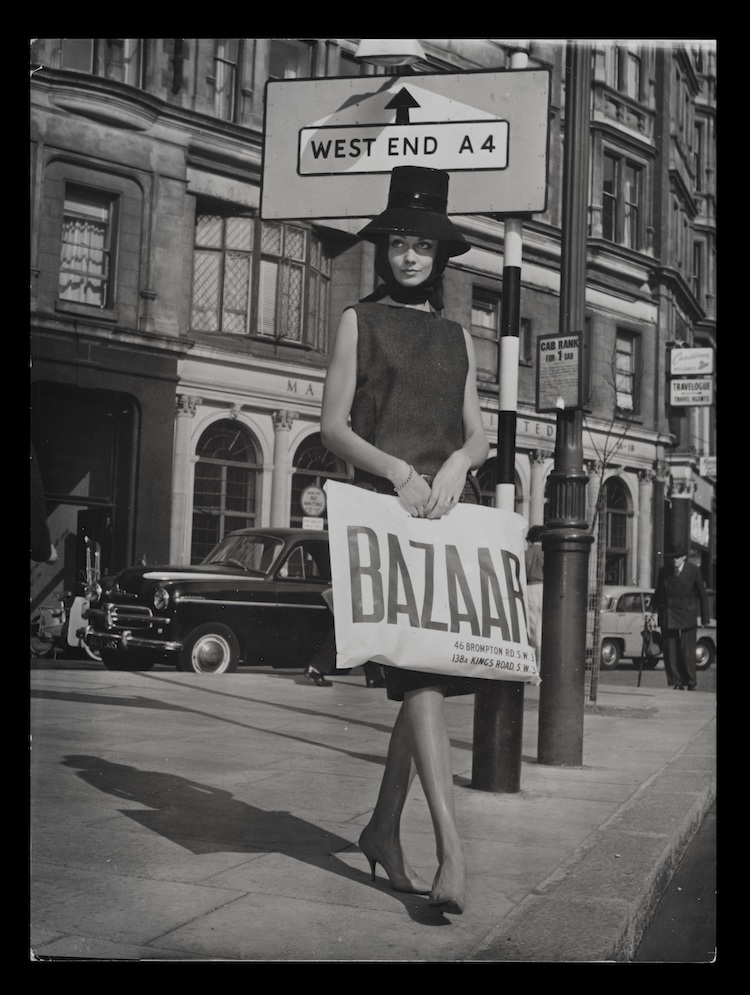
{"points": [[446, 596]]}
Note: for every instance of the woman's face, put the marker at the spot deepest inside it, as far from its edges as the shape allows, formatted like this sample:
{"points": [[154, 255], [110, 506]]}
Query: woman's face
{"points": [[412, 258]]}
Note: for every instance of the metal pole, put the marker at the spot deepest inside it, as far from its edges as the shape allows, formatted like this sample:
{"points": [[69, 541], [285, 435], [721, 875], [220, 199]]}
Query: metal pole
{"points": [[498, 711], [565, 541]]}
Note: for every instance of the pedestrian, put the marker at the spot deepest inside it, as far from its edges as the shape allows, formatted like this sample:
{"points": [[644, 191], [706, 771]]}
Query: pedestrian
{"points": [[401, 405], [324, 659], [679, 596], [534, 557], [323, 663]]}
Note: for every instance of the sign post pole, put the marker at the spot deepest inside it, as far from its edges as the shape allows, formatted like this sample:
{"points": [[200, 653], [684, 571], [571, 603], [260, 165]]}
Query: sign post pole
{"points": [[498, 711]]}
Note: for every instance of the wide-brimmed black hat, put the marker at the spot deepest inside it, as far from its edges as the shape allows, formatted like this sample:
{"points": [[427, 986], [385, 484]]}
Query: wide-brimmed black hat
{"points": [[417, 205]]}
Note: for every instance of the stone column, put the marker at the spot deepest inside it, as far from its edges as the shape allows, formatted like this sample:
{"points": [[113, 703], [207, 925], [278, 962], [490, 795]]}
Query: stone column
{"points": [[645, 526], [182, 480], [537, 459], [282, 423]]}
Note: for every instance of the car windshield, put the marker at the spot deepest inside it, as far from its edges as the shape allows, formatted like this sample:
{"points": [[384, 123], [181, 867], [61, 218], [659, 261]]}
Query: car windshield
{"points": [[253, 552]]}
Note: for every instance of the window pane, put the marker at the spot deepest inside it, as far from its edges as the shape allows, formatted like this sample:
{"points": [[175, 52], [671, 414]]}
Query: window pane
{"points": [[271, 240], [625, 373], [208, 230], [630, 204], [293, 303], [84, 255], [609, 199], [206, 277], [485, 330], [267, 303], [240, 234], [633, 80], [295, 243], [225, 489], [289, 59], [486, 357], [222, 276], [236, 293], [225, 71]]}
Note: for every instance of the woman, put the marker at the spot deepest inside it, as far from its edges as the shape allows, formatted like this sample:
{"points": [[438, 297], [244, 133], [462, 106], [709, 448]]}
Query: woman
{"points": [[401, 405]]}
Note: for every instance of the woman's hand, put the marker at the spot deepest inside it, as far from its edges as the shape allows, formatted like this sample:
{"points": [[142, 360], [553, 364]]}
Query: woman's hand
{"points": [[414, 496], [448, 485]]}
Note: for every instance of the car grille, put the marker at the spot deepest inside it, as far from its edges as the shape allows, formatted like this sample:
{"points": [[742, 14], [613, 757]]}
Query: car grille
{"points": [[114, 618]]}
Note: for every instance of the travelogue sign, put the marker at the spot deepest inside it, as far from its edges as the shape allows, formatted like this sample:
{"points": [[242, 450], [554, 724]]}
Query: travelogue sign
{"points": [[558, 378], [691, 392]]}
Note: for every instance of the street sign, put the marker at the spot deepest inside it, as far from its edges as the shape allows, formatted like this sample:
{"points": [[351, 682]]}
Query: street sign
{"points": [[313, 501], [685, 362], [330, 144], [558, 378], [691, 392]]}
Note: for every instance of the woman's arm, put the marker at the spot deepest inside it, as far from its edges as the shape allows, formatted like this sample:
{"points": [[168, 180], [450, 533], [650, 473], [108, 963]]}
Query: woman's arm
{"points": [[335, 429], [449, 481]]}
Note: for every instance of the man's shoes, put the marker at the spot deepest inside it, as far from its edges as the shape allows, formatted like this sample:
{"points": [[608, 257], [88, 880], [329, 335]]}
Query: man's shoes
{"points": [[678, 687], [317, 678], [691, 687]]}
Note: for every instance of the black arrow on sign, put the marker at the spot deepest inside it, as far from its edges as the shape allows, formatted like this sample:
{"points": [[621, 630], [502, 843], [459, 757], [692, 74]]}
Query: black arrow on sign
{"points": [[403, 101]]}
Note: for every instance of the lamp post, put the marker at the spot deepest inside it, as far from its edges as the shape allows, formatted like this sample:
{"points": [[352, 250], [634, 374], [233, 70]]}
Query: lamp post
{"points": [[566, 541]]}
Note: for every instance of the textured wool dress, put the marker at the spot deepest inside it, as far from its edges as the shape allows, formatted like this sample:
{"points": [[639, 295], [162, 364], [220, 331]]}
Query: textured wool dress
{"points": [[411, 377]]}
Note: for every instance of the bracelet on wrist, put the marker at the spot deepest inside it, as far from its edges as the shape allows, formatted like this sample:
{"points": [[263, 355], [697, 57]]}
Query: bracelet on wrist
{"points": [[398, 487]]}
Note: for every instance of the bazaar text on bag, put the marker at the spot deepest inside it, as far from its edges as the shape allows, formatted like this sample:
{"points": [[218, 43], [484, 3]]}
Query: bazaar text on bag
{"points": [[497, 589]]}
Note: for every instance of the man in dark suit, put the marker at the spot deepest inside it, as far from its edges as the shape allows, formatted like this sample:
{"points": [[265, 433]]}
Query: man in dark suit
{"points": [[680, 594]]}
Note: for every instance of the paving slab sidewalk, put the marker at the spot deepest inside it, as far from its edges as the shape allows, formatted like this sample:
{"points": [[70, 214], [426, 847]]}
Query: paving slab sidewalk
{"points": [[182, 818]]}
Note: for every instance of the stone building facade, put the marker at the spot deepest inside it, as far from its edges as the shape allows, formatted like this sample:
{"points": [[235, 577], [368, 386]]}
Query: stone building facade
{"points": [[179, 341]]}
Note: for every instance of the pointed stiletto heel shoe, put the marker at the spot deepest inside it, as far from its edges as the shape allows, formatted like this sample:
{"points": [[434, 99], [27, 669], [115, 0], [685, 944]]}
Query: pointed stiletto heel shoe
{"points": [[444, 900], [399, 881], [317, 678], [446, 903]]}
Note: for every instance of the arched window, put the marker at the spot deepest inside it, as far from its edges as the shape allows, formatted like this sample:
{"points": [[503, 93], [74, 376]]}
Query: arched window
{"points": [[225, 495], [618, 526], [487, 477], [313, 465]]}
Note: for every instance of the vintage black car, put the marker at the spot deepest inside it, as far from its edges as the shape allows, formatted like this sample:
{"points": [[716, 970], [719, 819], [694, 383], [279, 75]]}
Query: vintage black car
{"points": [[256, 599]]}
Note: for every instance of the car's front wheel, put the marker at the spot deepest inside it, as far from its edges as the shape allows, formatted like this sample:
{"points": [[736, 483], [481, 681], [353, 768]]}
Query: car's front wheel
{"points": [[210, 649], [41, 645], [610, 655], [705, 654]]}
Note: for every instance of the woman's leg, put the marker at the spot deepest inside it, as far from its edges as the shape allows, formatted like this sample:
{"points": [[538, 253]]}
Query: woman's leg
{"points": [[431, 749], [385, 823]]}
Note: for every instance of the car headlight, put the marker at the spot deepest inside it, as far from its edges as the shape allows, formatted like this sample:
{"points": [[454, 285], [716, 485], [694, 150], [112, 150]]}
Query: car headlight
{"points": [[161, 598], [92, 593]]}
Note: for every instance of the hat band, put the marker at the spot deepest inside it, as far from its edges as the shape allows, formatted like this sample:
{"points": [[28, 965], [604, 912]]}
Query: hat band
{"points": [[419, 200]]}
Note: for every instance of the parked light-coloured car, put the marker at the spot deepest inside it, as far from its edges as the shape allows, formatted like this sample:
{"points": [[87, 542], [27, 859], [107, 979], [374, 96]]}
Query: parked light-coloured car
{"points": [[625, 612]]}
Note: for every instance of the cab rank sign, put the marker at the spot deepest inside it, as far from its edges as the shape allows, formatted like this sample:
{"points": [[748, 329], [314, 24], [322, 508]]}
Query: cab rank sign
{"points": [[330, 144]]}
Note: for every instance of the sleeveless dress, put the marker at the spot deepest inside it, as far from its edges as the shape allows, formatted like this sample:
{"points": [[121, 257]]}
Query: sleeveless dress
{"points": [[408, 401]]}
